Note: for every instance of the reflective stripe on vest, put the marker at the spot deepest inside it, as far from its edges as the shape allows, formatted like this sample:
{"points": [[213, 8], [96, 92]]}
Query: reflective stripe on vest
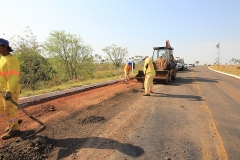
{"points": [[12, 119], [2, 115], [8, 73]]}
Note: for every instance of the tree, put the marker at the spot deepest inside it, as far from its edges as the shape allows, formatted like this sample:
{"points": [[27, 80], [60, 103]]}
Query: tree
{"points": [[237, 61], [137, 59], [33, 66], [71, 49], [88, 68], [233, 60], [115, 54], [97, 58], [197, 62]]}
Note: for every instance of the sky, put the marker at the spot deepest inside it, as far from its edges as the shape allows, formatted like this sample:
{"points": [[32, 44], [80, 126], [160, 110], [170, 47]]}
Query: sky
{"points": [[194, 28]]}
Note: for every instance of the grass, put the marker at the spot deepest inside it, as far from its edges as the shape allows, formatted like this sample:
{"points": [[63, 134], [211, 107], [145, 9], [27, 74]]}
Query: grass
{"points": [[235, 70], [106, 76]]}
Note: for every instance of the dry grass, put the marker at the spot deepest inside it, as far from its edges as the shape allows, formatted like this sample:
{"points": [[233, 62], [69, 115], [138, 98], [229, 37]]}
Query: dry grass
{"points": [[235, 70]]}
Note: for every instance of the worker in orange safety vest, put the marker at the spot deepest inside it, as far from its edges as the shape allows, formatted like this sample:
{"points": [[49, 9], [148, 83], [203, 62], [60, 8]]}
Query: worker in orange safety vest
{"points": [[126, 71], [9, 85], [149, 71]]}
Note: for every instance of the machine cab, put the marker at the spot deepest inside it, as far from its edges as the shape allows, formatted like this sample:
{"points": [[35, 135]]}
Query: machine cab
{"points": [[162, 57]]}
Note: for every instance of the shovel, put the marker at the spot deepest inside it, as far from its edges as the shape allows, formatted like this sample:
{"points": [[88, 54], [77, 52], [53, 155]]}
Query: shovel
{"points": [[29, 115]]}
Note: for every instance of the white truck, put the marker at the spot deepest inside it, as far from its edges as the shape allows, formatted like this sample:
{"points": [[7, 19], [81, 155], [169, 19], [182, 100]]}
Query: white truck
{"points": [[180, 63]]}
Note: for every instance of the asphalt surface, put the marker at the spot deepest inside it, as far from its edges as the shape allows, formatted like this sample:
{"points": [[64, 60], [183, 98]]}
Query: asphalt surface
{"points": [[195, 117], [222, 95]]}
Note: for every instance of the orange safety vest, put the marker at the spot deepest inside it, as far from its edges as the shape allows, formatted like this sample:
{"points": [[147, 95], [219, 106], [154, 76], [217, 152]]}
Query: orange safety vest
{"points": [[127, 68]]}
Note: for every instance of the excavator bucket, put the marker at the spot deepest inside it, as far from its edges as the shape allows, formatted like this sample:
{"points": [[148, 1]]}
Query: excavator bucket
{"points": [[160, 76]]}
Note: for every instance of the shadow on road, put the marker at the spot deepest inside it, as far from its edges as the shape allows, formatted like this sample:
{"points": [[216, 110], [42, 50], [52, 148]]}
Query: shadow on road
{"points": [[69, 146], [187, 70], [191, 97], [188, 80]]}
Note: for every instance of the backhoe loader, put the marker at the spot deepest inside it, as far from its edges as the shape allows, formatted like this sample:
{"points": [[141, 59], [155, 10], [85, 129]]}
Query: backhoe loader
{"points": [[164, 64]]}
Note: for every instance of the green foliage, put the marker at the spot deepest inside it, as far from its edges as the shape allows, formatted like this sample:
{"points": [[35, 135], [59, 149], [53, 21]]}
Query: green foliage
{"points": [[235, 61], [115, 54], [98, 59], [137, 59], [197, 62], [87, 69], [72, 51], [34, 68], [64, 61]]}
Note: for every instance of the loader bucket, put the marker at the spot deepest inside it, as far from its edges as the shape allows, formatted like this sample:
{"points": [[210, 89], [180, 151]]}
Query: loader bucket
{"points": [[140, 76], [161, 75]]}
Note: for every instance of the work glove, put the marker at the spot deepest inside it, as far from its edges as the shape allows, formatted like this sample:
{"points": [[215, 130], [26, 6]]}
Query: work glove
{"points": [[8, 95]]}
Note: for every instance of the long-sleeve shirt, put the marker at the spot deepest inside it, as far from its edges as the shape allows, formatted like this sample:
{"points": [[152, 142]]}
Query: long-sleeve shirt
{"points": [[127, 68], [150, 68], [9, 74]]}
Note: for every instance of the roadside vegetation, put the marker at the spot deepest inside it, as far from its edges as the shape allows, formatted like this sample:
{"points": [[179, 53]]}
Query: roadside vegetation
{"points": [[65, 61], [230, 69]]}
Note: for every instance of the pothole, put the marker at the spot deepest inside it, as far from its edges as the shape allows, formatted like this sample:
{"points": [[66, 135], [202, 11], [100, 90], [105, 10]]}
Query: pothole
{"points": [[94, 119], [92, 107], [135, 90]]}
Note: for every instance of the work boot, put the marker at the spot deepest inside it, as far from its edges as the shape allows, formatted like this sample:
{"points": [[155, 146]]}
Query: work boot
{"points": [[19, 122], [10, 134]]}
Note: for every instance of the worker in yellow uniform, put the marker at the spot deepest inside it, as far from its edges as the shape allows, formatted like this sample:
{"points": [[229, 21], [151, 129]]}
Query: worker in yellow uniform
{"points": [[9, 88], [149, 71], [126, 71]]}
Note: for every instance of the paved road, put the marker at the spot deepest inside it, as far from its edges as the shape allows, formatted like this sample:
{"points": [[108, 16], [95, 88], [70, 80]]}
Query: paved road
{"points": [[196, 117], [222, 95]]}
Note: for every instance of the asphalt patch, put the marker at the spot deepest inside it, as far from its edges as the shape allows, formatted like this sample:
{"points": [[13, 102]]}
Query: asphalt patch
{"points": [[135, 90], [37, 147], [93, 107], [94, 119]]}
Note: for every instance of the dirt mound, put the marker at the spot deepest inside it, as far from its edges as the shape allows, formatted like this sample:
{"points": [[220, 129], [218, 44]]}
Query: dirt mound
{"points": [[94, 119], [27, 149]]}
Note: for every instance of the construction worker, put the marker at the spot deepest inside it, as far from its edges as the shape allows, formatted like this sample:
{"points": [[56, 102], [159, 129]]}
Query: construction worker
{"points": [[9, 88], [126, 71], [149, 71]]}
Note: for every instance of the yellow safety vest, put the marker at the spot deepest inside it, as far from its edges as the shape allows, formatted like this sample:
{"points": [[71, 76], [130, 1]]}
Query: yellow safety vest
{"points": [[9, 74], [150, 68]]}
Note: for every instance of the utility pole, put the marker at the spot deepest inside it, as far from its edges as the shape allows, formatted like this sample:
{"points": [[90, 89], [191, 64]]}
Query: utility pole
{"points": [[218, 54]]}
